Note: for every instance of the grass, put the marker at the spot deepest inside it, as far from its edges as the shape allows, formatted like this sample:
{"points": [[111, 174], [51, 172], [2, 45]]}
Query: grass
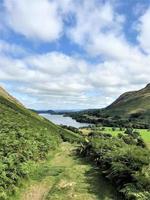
{"points": [[145, 133], [65, 176], [25, 137], [37, 179]]}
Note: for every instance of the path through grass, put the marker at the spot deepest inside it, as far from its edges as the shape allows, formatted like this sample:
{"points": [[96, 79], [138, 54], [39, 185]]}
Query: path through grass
{"points": [[67, 177]]}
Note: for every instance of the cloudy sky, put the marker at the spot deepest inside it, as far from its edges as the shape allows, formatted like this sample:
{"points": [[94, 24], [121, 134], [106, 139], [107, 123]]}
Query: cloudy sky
{"points": [[64, 54]]}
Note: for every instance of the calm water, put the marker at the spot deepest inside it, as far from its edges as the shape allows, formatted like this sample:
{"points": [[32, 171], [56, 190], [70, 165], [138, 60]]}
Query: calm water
{"points": [[61, 120]]}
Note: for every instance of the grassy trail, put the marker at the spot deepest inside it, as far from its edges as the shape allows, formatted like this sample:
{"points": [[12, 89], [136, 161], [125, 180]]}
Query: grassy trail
{"points": [[66, 177]]}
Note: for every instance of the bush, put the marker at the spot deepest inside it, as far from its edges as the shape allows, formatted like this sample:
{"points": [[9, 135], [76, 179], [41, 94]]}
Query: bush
{"points": [[24, 137], [123, 162]]}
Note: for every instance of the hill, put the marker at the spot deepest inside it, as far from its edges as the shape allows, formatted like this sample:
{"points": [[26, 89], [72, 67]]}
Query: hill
{"points": [[131, 104], [7, 96], [25, 137], [130, 108], [44, 111]]}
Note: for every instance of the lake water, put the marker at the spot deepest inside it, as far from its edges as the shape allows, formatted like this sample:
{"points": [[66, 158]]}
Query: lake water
{"points": [[61, 120]]}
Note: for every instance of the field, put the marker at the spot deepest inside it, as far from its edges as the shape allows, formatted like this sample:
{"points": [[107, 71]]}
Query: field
{"points": [[145, 133]]}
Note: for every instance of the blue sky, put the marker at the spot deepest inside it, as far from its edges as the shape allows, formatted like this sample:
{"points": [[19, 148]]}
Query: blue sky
{"points": [[73, 54]]}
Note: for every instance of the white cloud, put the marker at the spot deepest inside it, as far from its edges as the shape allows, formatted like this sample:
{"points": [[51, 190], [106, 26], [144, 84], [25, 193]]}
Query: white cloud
{"points": [[48, 73], [144, 31], [69, 80], [97, 27], [55, 63], [34, 19], [60, 80]]}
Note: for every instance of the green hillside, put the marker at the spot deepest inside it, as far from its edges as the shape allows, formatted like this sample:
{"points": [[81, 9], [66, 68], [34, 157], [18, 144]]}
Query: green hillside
{"points": [[130, 108], [6, 95], [24, 137], [136, 103]]}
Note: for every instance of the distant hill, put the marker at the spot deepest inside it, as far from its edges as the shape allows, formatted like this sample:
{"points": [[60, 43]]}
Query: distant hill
{"points": [[131, 107], [135, 103], [44, 111], [54, 112]]}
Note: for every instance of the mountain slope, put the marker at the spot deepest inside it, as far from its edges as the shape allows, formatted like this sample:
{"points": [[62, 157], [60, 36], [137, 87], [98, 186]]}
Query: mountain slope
{"points": [[6, 95], [136, 103], [131, 107], [24, 137]]}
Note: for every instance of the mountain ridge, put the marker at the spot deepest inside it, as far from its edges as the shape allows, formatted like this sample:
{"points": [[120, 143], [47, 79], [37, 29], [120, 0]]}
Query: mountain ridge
{"points": [[131, 102], [129, 108], [6, 95]]}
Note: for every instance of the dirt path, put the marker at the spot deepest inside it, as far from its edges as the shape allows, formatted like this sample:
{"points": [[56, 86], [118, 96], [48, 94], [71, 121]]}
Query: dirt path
{"points": [[36, 192], [70, 178]]}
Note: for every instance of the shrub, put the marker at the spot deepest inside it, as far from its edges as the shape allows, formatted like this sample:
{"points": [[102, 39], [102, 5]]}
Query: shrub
{"points": [[123, 162]]}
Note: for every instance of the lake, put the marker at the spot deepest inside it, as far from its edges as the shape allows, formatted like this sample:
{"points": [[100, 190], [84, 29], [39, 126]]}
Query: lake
{"points": [[61, 120]]}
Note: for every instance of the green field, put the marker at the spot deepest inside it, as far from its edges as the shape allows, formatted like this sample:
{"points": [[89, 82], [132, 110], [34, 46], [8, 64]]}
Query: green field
{"points": [[145, 133]]}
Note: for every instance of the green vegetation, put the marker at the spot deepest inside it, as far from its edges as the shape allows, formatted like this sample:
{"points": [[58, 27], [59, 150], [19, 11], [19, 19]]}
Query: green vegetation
{"points": [[36, 164], [70, 136], [130, 109], [114, 131], [24, 137], [8, 97], [134, 104], [65, 176], [123, 159]]}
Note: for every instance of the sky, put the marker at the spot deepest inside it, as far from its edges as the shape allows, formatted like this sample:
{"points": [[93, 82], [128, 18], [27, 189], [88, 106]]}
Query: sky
{"points": [[73, 54]]}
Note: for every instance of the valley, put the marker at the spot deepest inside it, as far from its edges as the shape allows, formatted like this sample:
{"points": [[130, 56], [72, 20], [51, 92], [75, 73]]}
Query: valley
{"points": [[60, 119], [129, 109], [41, 160], [74, 100]]}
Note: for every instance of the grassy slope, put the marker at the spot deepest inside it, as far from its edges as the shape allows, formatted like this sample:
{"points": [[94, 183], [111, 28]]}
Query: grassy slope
{"points": [[131, 102], [46, 177], [7, 96], [25, 137], [14, 116], [64, 177], [14, 113], [135, 105]]}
